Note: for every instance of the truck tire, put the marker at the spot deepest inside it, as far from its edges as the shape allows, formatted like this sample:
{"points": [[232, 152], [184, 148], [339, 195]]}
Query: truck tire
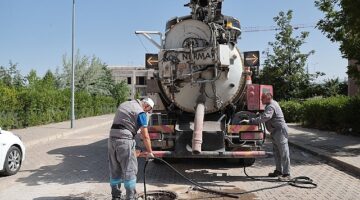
{"points": [[12, 162]]}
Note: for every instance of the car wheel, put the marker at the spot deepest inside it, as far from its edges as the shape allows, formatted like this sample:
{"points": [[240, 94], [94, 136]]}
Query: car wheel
{"points": [[12, 161]]}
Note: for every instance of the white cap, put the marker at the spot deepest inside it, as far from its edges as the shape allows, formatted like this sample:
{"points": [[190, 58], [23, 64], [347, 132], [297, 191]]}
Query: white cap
{"points": [[149, 101]]}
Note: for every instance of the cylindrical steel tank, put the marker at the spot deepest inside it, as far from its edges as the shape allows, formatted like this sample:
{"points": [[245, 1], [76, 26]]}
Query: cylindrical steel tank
{"points": [[192, 57]]}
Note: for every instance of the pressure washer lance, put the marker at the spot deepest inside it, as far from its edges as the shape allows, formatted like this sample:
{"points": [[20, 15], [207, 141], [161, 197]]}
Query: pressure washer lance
{"points": [[300, 182]]}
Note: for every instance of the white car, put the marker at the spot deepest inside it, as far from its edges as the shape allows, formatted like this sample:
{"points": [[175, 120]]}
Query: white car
{"points": [[12, 153]]}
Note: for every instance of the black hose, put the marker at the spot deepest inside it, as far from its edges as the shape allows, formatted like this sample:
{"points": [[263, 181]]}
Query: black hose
{"points": [[186, 178], [146, 163], [300, 182]]}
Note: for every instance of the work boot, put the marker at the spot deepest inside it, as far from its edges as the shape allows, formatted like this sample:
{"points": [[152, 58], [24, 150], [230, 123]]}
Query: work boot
{"points": [[131, 194], [116, 198], [285, 177], [115, 192], [276, 173]]}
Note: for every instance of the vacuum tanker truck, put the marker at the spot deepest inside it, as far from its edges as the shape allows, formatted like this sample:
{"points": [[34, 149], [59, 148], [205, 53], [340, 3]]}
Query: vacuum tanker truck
{"points": [[202, 90]]}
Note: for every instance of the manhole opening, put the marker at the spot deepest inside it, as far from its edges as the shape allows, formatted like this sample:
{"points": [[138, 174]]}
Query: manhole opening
{"points": [[158, 195]]}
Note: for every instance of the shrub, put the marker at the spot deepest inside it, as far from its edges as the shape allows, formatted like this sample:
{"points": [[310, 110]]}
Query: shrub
{"points": [[30, 107], [292, 110], [324, 113], [339, 113], [8, 107], [351, 115]]}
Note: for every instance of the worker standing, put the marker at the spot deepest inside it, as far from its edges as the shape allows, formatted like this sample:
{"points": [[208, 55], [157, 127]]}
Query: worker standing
{"points": [[129, 118], [276, 125]]}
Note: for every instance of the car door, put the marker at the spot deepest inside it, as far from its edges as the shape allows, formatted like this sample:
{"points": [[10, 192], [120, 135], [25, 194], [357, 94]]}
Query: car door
{"points": [[2, 149]]}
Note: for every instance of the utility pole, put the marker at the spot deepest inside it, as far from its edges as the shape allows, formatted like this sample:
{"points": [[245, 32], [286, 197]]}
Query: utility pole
{"points": [[73, 69]]}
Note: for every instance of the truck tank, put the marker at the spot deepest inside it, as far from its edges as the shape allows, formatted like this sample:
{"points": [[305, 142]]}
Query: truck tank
{"points": [[194, 63], [200, 88]]}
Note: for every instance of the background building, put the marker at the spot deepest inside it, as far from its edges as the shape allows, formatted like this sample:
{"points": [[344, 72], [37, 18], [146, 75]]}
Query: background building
{"points": [[134, 76]]}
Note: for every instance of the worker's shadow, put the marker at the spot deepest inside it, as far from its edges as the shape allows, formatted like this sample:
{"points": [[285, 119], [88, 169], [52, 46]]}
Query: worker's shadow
{"points": [[211, 172], [89, 163], [208, 172], [84, 163]]}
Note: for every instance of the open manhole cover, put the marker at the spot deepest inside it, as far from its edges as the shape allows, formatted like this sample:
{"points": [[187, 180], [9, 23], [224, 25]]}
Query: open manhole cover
{"points": [[158, 195]]}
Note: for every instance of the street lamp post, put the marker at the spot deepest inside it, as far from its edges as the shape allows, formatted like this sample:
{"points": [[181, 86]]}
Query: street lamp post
{"points": [[73, 69]]}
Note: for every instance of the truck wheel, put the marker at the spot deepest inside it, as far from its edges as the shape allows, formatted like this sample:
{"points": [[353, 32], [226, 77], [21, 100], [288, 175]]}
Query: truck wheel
{"points": [[12, 162], [246, 162]]}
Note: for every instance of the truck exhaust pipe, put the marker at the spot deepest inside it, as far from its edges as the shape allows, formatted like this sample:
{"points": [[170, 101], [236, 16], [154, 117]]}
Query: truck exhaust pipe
{"points": [[198, 125]]}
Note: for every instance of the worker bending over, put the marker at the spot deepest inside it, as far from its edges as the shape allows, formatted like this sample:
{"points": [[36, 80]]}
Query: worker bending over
{"points": [[276, 125], [129, 118]]}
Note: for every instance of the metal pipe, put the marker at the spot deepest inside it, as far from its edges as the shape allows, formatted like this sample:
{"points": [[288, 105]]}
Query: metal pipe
{"points": [[73, 69], [198, 128], [147, 34], [210, 154]]}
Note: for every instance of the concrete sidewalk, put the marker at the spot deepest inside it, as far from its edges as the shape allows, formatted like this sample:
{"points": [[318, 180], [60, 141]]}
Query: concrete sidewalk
{"points": [[342, 150], [45, 133]]}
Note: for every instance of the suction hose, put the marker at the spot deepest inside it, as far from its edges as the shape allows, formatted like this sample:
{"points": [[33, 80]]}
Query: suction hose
{"points": [[199, 121], [198, 128], [299, 182]]}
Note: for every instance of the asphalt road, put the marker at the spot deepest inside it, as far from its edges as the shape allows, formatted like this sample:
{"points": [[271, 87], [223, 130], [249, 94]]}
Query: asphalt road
{"points": [[75, 167]]}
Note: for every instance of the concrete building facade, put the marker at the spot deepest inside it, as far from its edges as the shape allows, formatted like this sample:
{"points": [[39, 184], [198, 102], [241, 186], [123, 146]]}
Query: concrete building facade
{"points": [[135, 76]]}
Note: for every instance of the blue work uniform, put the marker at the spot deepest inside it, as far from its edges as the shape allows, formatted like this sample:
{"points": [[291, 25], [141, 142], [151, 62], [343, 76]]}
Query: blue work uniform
{"points": [[273, 118], [129, 118]]}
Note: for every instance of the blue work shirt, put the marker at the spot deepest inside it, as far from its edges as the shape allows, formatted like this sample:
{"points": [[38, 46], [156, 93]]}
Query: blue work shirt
{"points": [[142, 120]]}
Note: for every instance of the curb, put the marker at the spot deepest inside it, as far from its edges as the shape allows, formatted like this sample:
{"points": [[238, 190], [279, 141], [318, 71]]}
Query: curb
{"points": [[63, 134], [326, 156]]}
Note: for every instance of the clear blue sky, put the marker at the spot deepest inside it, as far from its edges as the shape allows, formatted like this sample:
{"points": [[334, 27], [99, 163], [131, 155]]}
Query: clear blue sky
{"points": [[36, 33]]}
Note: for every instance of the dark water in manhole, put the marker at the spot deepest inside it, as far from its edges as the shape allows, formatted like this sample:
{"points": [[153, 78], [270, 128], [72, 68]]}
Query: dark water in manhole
{"points": [[158, 195]]}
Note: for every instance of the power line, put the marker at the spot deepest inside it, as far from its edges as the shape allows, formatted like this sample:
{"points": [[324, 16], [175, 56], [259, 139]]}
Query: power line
{"points": [[142, 43], [273, 28]]}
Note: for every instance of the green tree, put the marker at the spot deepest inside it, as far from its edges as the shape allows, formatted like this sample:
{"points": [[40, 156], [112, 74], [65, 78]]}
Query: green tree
{"points": [[284, 67], [33, 100], [17, 79], [341, 24], [333, 87], [59, 78], [91, 75], [5, 77], [312, 90], [11, 76], [32, 79], [49, 80], [120, 92]]}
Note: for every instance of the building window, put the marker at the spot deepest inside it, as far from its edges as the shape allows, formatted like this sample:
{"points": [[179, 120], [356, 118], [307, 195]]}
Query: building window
{"points": [[140, 80], [129, 80]]}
